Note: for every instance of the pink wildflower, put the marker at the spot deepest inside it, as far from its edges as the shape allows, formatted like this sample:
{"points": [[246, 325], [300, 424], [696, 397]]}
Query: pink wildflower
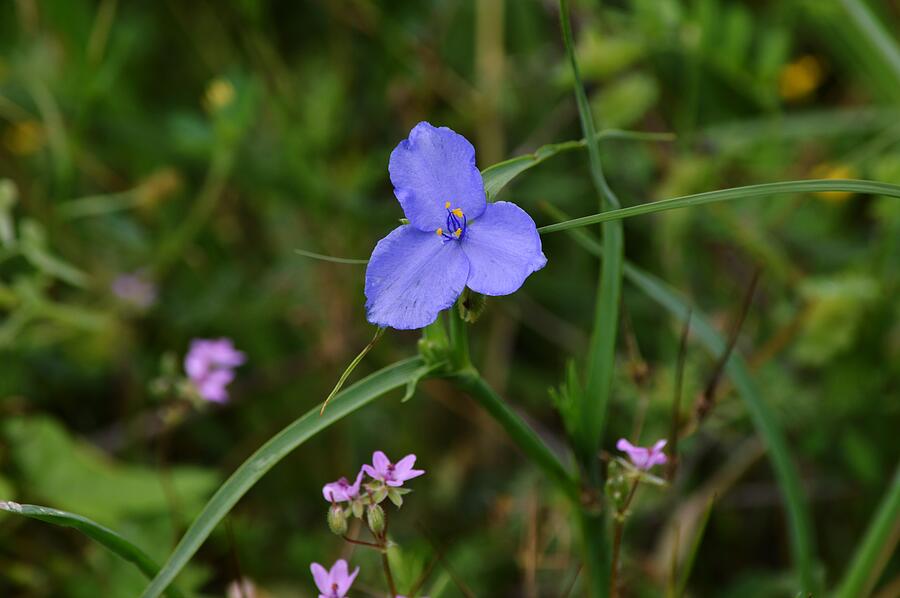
{"points": [[342, 490], [210, 365], [392, 474], [334, 583], [643, 458]]}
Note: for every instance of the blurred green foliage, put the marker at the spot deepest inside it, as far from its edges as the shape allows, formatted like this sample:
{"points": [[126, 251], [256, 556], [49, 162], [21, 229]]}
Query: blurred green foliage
{"points": [[202, 143]]}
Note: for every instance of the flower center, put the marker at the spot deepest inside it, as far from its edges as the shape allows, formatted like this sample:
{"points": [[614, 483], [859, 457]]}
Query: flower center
{"points": [[456, 224]]}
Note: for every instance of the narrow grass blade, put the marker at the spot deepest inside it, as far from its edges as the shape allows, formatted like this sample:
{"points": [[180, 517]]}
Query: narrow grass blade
{"points": [[329, 258], [873, 31], [763, 419], [349, 369], [695, 548], [273, 451], [601, 351], [497, 176], [876, 547], [602, 348], [699, 199], [93, 530]]}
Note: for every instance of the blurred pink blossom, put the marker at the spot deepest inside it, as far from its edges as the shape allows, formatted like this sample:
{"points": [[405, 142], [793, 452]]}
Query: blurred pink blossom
{"points": [[643, 458], [210, 366], [135, 289]]}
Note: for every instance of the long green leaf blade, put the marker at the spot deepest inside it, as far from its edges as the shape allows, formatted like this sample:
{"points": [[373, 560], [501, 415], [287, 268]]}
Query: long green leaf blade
{"points": [[93, 530], [601, 352], [699, 199], [518, 430], [763, 419], [273, 451], [602, 348], [498, 175]]}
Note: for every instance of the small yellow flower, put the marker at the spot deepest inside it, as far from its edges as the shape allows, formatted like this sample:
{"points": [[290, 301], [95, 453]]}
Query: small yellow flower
{"points": [[158, 187], [24, 137], [800, 78], [219, 93], [834, 171]]}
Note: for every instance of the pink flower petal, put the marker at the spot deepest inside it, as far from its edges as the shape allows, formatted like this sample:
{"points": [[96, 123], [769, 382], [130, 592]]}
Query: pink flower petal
{"points": [[380, 461], [321, 577]]}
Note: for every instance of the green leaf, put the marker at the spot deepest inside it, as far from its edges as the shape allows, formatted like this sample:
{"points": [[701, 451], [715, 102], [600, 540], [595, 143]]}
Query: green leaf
{"points": [[518, 430], [601, 352], [103, 535], [273, 451], [602, 348], [876, 547], [695, 548], [78, 477], [423, 372], [33, 245], [763, 419], [699, 199]]}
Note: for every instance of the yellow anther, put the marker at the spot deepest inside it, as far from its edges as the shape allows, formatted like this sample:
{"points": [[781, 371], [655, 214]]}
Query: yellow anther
{"points": [[458, 213], [440, 231], [457, 233], [447, 206]]}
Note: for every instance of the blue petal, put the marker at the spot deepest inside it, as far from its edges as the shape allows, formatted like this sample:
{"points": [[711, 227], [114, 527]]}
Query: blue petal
{"points": [[431, 167], [503, 247], [411, 277]]}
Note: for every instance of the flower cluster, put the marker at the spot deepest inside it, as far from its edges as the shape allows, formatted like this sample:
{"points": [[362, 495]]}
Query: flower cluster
{"points": [[385, 481], [362, 497], [210, 365]]}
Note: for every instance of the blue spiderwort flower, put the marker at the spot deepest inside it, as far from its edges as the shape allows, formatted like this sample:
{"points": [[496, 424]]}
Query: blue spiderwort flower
{"points": [[454, 238]]}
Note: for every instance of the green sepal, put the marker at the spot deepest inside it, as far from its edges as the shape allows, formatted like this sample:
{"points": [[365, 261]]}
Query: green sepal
{"points": [[471, 305], [396, 495]]}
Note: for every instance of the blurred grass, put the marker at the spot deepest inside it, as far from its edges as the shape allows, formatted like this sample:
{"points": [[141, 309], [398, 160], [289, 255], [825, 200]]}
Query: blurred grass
{"points": [[204, 144]]}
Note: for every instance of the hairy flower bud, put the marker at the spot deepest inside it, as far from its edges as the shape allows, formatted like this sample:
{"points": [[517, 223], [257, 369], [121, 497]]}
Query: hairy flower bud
{"points": [[375, 518], [617, 488], [337, 520], [470, 305]]}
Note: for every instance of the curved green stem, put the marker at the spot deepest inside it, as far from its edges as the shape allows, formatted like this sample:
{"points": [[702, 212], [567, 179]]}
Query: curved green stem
{"points": [[99, 533], [518, 430], [601, 351], [876, 547]]}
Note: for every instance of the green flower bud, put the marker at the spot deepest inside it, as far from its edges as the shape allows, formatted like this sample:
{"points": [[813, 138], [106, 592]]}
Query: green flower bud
{"points": [[379, 494], [470, 305], [617, 487], [375, 518], [337, 520]]}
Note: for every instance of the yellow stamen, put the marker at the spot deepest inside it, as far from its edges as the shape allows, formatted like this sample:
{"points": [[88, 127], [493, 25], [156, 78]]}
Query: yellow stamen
{"points": [[457, 233], [447, 206], [458, 213], [440, 231]]}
